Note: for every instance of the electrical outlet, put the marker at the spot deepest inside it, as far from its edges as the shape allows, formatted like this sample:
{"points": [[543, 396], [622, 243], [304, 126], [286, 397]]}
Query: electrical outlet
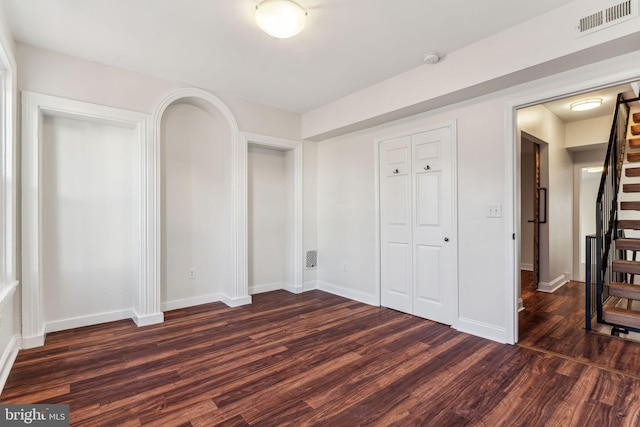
{"points": [[494, 210], [192, 273]]}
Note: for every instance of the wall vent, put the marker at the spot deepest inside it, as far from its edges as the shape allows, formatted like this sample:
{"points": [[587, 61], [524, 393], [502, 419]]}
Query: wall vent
{"points": [[312, 259], [607, 17]]}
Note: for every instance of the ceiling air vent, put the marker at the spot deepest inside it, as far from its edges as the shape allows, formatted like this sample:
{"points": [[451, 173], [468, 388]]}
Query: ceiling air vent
{"points": [[608, 17]]}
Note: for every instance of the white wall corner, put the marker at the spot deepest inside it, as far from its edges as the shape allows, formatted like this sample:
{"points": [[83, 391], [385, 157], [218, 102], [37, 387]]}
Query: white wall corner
{"points": [[555, 284], [8, 357], [349, 293], [482, 330]]}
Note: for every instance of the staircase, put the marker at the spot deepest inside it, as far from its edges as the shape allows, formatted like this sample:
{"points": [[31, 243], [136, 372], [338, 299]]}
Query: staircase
{"points": [[621, 309]]}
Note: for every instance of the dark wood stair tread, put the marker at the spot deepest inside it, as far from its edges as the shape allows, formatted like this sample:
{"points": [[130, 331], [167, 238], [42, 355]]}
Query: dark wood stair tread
{"points": [[626, 266], [636, 117], [634, 156], [634, 142], [628, 244], [622, 316], [631, 188], [632, 172], [629, 224], [635, 130], [624, 290], [630, 206]]}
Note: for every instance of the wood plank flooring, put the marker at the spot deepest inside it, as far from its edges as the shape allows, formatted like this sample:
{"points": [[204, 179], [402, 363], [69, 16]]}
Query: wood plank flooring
{"points": [[318, 359]]}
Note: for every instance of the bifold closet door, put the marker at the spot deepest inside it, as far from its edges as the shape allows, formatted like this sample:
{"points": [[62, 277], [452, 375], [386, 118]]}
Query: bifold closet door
{"points": [[416, 220]]}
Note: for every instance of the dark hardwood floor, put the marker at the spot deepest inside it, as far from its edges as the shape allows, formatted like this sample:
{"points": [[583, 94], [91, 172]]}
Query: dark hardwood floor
{"points": [[318, 359]]}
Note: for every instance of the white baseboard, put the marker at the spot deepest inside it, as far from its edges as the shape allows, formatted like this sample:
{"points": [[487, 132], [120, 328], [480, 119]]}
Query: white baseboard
{"points": [[266, 287], [526, 266], [151, 319], [309, 285], [189, 302], [290, 287], [520, 305], [482, 330], [235, 302], [93, 319], [8, 357], [33, 341], [348, 293], [554, 285]]}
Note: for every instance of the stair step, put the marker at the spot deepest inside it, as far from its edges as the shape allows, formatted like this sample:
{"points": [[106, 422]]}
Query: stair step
{"points": [[636, 117], [630, 206], [631, 188], [634, 142], [626, 266], [628, 244], [635, 130], [629, 224], [634, 156], [630, 172], [621, 316], [624, 290]]}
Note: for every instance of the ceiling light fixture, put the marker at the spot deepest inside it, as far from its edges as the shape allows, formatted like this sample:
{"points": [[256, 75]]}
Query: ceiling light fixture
{"points": [[280, 18], [586, 104]]}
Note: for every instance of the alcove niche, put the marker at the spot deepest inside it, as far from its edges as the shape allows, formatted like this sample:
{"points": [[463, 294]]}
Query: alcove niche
{"points": [[196, 203], [88, 211]]}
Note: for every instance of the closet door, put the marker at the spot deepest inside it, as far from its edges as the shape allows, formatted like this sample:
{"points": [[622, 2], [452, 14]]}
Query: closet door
{"points": [[417, 224], [433, 263], [396, 225]]}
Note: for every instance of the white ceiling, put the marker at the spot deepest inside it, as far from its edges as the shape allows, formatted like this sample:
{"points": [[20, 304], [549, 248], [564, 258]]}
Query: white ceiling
{"points": [[214, 44], [609, 97]]}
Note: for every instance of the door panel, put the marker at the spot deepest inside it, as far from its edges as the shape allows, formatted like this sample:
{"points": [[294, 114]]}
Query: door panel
{"points": [[396, 224], [433, 269], [428, 273]]}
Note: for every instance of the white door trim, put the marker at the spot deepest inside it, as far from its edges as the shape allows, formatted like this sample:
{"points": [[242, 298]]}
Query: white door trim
{"points": [[34, 107], [298, 187], [452, 126]]}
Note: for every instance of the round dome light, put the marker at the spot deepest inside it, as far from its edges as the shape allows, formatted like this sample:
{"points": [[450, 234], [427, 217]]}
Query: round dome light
{"points": [[586, 104], [280, 18]]}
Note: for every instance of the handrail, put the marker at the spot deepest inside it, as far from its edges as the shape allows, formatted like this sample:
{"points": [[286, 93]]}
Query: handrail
{"points": [[607, 202]]}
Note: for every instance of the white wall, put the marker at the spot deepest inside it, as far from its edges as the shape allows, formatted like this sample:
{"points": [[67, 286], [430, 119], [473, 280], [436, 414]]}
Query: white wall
{"points": [[544, 125], [90, 262], [9, 251], [51, 73], [527, 169], [585, 134], [310, 209], [194, 187], [270, 218]]}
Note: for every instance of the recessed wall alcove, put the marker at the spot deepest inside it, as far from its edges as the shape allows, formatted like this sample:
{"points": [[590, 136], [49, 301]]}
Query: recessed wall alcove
{"points": [[201, 222]]}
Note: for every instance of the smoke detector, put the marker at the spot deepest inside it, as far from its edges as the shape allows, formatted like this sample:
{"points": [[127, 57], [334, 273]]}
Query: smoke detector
{"points": [[431, 58]]}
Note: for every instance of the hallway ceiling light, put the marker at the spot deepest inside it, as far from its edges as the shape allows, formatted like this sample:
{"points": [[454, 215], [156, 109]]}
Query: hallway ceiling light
{"points": [[280, 18], [586, 104]]}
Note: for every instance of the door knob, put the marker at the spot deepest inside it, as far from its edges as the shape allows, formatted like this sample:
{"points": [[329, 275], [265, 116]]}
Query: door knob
{"points": [[446, 239], [427, 167], [396, 171]]}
